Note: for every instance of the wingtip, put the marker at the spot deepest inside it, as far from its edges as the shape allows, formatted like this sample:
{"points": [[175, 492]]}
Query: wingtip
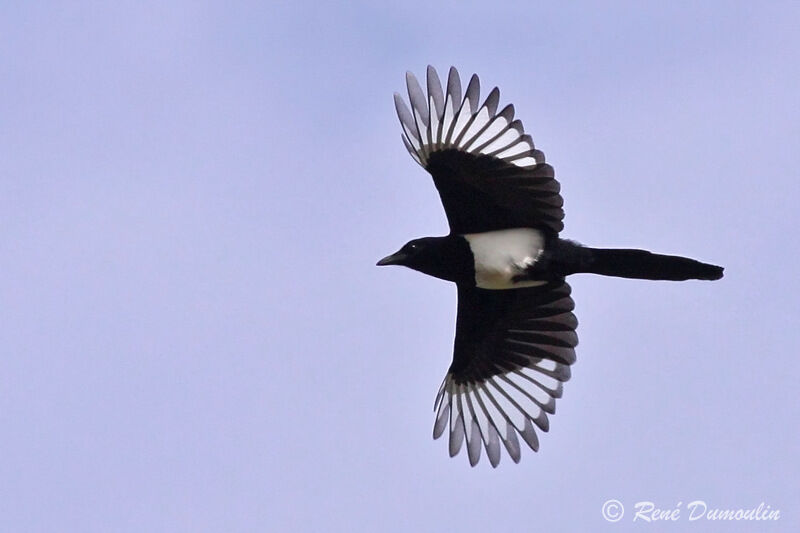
{"points": [[411, 79], [492, 101]]}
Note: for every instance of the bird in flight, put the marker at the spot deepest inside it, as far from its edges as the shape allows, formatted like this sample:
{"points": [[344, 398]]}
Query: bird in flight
{"points": [[515, 331]]}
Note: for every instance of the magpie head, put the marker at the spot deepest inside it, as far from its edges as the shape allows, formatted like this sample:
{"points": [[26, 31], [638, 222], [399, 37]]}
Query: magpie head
{"points": [[446, 258]]}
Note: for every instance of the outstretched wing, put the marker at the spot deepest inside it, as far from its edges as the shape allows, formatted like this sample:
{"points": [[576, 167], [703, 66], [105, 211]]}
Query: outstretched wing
{"points": [[513, 351], [487, 171]]}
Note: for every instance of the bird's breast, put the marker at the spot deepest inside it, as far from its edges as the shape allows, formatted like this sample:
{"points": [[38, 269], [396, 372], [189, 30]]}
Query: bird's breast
{"points": [[501, 256]]}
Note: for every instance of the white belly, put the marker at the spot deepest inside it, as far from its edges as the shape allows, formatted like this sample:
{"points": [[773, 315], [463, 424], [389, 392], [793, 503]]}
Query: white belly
{"points": [[501, 255]]}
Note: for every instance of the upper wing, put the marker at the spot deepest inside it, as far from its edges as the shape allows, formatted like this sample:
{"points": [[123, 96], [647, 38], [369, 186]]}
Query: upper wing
{"points": [[512, 352], [487, 171]]}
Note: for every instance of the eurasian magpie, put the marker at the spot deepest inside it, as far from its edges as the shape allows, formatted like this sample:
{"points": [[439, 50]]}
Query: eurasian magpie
{"points": [[515, 331]]}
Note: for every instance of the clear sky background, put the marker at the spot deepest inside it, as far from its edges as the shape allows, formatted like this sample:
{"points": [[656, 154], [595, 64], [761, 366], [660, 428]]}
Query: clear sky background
{"points": [[194, 335]]}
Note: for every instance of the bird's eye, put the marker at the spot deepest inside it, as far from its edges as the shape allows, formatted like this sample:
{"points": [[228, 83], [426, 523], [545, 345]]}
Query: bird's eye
{"points": [[412, 246]]}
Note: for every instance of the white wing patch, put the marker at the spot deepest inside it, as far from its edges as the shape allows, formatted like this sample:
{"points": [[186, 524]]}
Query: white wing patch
{"points": [[444, 121], [501, 255], [496, 410]]}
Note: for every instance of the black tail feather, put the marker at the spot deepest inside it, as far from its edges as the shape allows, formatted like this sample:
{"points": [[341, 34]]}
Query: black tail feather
{"points": [[641, 264]]}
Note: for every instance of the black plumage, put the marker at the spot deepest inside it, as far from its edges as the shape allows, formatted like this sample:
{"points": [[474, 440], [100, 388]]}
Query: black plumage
{"points": [[515, 331]]}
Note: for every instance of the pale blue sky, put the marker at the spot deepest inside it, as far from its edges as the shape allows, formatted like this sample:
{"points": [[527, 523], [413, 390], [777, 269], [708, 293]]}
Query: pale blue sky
{"points": [[192, 199]]}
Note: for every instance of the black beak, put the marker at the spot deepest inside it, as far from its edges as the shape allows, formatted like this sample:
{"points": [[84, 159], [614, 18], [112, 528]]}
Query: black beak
{"points": [[394, 259]]}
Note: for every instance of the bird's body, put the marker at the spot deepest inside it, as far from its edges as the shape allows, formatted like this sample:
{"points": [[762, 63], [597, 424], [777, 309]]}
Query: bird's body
{"points": [[515, 330]]}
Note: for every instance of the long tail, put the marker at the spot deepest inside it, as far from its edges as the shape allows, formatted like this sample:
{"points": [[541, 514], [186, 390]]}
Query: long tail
{"points": [[637, 264]]}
